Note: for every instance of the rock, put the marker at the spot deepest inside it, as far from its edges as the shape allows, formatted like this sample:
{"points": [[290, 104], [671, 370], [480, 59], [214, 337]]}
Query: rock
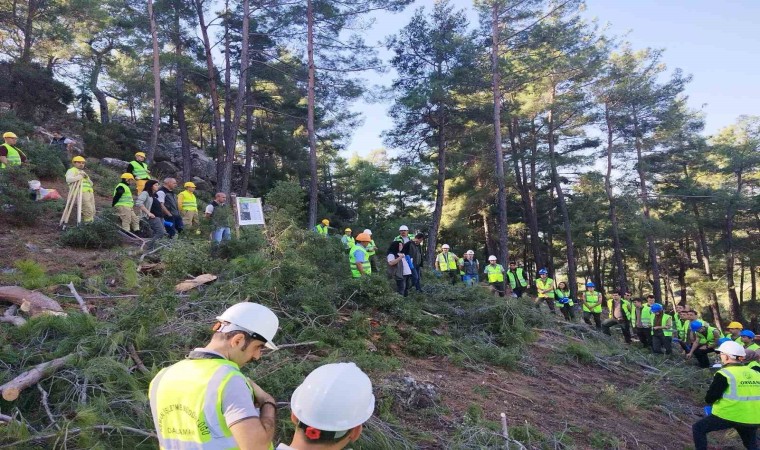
{"points": [[203, 185], [164, 169], [203, 167], [411, 393], [117, 164], [31, 247]]}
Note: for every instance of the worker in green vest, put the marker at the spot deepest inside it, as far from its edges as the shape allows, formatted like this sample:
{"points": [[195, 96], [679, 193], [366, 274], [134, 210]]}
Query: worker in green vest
{"points": [[205, 401], [10, 155], [188, 207], [495, 274], [704, 343], [347, 240], [76, 174], [734, 396], [564, 301], [321, 228], [620, 312], [139, 169], [662, 330], [591, 303], [447, 263], [545, 289], [358, 257], [371, 250], [748, 340], [124, 203], [684, 336], [517, 281], [734, 329]]}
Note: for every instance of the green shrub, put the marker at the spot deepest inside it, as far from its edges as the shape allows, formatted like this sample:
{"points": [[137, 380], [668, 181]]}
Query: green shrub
{"points": [[289, 201], [44, 161], [17, 206], [10, 122], [251, 240], [100, 234], [113, 140]]}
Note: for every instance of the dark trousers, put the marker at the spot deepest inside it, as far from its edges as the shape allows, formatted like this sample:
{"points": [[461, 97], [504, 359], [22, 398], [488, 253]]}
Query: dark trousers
{"points": [[549, 302], [624, 326], [416, 279], [373, 263], [661, 343], [701, 356], [645, 337], [499, 286], [747, 433], [597, 318], [568, 312], [453, 275], [177, 226], [401, 286], [518, 291], [157, 227]]}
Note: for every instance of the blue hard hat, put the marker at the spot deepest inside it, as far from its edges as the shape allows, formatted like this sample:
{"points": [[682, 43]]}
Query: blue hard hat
{"points": [[723, 339], [590, 284], [543, 272], [747, 333], [696, 325], [656, 308]]}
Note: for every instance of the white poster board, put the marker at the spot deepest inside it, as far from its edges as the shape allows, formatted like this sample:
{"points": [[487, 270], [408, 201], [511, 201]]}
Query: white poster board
{"points": [[249, 211]]}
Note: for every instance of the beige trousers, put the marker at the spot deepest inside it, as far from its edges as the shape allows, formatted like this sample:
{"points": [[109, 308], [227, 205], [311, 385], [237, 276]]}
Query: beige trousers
{"points": [[190, 219], [129, 220]]}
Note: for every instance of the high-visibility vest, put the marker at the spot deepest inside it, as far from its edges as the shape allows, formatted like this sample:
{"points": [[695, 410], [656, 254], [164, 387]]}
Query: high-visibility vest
{"points": [[753, 346], [371, 247], [542, 284], [13, 156], [741, 401], [752, 364], [646, 316], [625, 305], [593, 303], [348, 242], [187, 202], [683, 332], [560, 294], [514, 279], [186, 402], [447, 262], [140, 170], [86, 182], [126, 198], [709, 338], [668, 331], [495, 273], [352, 261], [321, 229]]}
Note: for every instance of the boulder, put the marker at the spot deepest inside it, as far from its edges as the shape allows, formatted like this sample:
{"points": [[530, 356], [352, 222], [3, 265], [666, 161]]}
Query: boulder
{"points": [[203, 185], [410, 392], [164, 169], [117, 164]]}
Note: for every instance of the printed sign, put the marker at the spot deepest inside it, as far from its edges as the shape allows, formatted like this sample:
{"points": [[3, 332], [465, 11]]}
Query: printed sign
{"points": [[249, 211]]}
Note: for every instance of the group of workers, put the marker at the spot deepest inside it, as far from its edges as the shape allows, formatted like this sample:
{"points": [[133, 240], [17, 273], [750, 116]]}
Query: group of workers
{"points": [[205, 401]]}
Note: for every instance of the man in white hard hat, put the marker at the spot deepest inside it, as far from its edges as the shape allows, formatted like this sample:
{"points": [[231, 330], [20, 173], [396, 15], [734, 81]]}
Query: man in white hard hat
{"points": [[447, 263], [204, 401], [734, 396], [495, 273], [403, 234], [329, 408]]}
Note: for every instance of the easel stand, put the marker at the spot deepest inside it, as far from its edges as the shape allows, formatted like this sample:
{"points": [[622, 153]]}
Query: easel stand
{"points": [[73, 199]]}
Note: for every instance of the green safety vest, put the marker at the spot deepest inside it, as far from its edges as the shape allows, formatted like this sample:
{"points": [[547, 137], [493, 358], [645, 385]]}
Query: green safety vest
{"points": [[752, 364], [753, 346], [14, 156], [187, 202], [665, 331], [542, 284], [446, 262], [514, 279], [593, 303], [741, 401], [186, 402], [646, 316], [86, 182], [352, 261], [683, 332], [738, 340], [625, 305], [495, 273], [126, 198], [321, 229], [709, 339], [559, 293], [348, 242], [371, 248], [139, 170]]}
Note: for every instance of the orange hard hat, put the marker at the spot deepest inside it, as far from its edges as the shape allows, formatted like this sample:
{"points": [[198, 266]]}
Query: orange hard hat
{"points": [[363, 237]]}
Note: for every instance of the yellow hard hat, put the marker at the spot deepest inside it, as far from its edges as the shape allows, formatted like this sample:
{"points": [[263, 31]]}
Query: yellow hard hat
{"points": [[325, 222], [189, 184], [78, 159], [347, 229], [127, 176], [736, 325], [9, 134], [140, 154]]}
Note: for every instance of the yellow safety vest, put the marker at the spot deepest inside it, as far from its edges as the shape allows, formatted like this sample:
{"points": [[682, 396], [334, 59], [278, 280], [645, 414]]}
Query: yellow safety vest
{"points": [[186, 402], [352, 261], [140, 170], [186, 201], [625, 305], [321, 229], [14, 156], [520, 277], [495, 273], [741, 401], [86, 182], [592, 302], [668, 331], [126, 198], [371, 248], [542, 284], [447, 262]]}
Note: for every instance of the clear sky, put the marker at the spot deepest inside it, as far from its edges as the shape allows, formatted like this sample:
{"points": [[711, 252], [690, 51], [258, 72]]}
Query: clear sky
{"points": [[717, 42]]}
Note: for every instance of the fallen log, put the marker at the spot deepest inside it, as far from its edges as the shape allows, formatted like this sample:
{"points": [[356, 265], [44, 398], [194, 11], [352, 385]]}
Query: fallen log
{"points": [[188, 285], [12, 389], [30, 302]]}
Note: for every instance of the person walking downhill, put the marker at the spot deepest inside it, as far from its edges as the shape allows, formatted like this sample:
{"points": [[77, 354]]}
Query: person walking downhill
{"points": [[471, 268], [124, 203], [398, 268], [446, 263], [545, 288], [188, 207], [662, 330], [564, 301], [517, 281], [591, 301], [734, 396], [495, 274], [75, 174], [347, 240], [704, 343], [358, 258], [371, 250], [205, 401], [620, 313], [139, 168], [413, 249]]}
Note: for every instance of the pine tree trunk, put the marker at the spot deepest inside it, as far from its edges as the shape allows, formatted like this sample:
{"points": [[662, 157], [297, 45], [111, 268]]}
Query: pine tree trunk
{"points": [[184, 137], [617, 249], [734, 308], [248, 141], [527, 200], [498, 152], [683, 259], [651, 245], [311, 100], [752, 280], [105, 117], [439, 191], [156, 86]]}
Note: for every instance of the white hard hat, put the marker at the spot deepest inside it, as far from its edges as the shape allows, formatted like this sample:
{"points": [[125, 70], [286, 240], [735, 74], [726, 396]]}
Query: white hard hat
{"points": [[731, 348], [445, 246], [403, 228], [334, 397], [368, 231], [469, 252], [251, 318], [492, 258]]}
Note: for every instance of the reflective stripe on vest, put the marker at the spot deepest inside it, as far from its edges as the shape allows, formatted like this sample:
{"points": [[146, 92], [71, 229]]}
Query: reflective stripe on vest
{"points": [[495, 273], [741, 401], [352, 261], [592, 302], [13, 156], [520, 277], [186, 402], [139, 170], [447, 262], [665, 331], [126, 198], [646, 316], [321, 229], [187, 202], [542, 284], [86, 182]]}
